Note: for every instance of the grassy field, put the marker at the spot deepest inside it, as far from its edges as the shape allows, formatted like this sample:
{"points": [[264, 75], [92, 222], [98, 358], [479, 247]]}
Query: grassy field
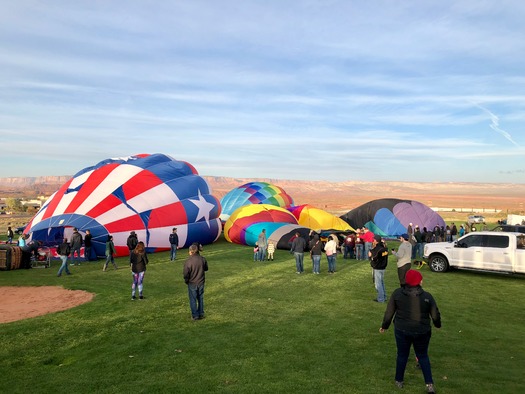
{"points": [[267, 330]]}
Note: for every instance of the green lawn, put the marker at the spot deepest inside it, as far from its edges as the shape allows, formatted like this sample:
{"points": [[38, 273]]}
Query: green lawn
{"points": [[267, 330]]}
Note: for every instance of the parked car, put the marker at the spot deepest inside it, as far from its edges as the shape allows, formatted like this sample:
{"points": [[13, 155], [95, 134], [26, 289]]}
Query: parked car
{"points": [[482, 250], [473, 219], [20, 230]]}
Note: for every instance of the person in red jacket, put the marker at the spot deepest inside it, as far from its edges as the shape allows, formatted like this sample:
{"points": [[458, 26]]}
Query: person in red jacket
{"points": [[368, 238]]}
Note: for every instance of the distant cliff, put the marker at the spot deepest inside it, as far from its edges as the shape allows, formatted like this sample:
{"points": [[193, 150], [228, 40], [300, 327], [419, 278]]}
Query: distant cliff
{"points": [[325, 194], [31, 186]]}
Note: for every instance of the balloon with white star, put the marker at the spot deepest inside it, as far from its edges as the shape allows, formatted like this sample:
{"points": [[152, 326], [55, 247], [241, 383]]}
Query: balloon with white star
{"points": [[146, 193]]}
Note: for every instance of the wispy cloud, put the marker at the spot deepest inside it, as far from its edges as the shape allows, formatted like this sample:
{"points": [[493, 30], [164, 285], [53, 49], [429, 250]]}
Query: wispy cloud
{"points": [[304, 90], [495, 125]]}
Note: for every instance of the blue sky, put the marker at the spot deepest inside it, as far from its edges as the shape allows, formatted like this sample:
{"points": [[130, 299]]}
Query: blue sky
{"points": [[429, 91]]}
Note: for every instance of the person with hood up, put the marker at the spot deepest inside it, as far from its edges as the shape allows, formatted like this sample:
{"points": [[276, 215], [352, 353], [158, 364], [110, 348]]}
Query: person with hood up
{"points": [[412, 309]]}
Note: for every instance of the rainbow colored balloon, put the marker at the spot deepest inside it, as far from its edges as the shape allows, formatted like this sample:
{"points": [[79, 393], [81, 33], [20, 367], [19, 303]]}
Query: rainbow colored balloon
{"points": [[146, 193], [246, 223], [254, 193]]}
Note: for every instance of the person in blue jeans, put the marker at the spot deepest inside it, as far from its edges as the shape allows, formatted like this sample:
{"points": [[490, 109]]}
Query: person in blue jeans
{"points": [[316, 250], [194, 276], [298, 247], [63, 251], [174, 242], [331, 253], [262, 242], [378, 261], [413, 309]]}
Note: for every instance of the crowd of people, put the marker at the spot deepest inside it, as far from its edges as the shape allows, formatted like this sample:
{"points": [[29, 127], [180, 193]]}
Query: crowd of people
{"points": [[193, 273], [410, 307]]}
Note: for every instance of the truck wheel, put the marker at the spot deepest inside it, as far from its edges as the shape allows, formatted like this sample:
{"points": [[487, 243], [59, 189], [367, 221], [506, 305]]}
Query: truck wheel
{"points": [[438, 263]]}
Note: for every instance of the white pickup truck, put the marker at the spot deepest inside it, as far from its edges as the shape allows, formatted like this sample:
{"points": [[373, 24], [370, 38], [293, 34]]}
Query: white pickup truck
{"points": [[482, 250]]}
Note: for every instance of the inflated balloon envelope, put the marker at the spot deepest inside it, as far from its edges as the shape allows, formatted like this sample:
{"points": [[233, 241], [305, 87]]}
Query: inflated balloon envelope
{"points": [[146, 193], [254, 193]]}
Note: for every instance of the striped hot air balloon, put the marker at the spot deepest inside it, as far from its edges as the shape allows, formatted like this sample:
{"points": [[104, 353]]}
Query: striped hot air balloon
{"points": [[146, 193], [246, 222], [254, 193]]}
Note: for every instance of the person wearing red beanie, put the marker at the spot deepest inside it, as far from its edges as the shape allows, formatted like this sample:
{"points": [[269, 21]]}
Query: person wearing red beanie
{"points": [[413, 309]]}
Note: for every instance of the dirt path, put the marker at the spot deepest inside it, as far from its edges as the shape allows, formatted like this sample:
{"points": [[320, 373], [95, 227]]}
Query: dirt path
{"points": [[17, 303]]}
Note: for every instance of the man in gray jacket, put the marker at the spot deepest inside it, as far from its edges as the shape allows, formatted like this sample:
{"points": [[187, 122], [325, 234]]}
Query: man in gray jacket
{"points": [[75, 244], [194, 276]]}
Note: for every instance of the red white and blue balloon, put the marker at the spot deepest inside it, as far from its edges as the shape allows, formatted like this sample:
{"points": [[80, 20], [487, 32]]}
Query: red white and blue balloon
{"points": [[146, 193]]}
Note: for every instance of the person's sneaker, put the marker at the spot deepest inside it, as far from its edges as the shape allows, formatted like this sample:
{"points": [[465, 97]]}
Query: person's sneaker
{"points": [[141, 297], [430, 388], [399, 384], [133, 298]]}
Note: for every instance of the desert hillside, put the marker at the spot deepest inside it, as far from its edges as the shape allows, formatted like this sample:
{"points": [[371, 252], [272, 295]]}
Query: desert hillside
{"points": [[340, 197], [335, 197]]}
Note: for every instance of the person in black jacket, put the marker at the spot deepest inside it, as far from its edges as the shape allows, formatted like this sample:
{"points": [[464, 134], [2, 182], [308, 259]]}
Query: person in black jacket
{"points": [[297, 248], [87, 245], [194, 276], [174, 244], [132, 242], [139, 260], [413, 309], [378, 256], [63, 251], [316, 251], [76, 245]]}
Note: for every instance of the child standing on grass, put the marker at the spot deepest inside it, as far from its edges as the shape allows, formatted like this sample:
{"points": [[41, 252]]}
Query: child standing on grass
{"points": [[271, 250], [255, 252]]}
